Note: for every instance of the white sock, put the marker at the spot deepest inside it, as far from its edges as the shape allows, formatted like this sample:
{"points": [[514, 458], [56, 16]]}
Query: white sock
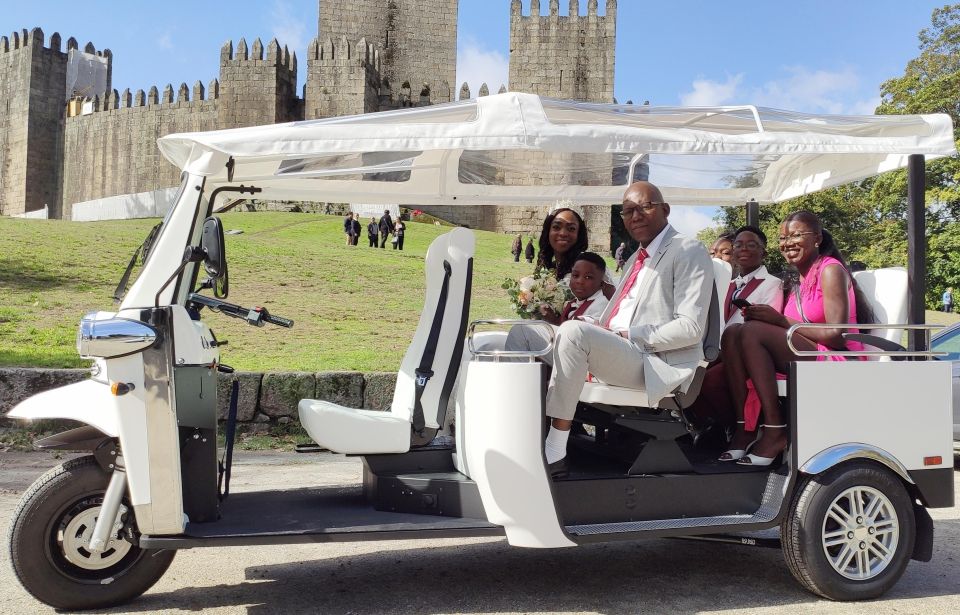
{"points": [[555, 447]]}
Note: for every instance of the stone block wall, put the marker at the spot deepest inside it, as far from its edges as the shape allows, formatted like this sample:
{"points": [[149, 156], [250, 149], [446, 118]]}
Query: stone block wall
{"points": [[343, 78], [32, 102], [113, 150], [569, 57], [417, 39], [257, 90]]}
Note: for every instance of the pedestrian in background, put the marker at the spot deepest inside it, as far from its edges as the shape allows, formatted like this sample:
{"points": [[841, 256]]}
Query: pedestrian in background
{"points": [[517, 248], [528, 251], [348, 229], [386, 227], [356, 229], [948, 300], [619, 256], [398, 229], [372, 232]]}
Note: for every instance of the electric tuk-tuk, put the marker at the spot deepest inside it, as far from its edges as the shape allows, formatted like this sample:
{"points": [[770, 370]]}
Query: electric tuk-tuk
{"points": [[870, 440]]}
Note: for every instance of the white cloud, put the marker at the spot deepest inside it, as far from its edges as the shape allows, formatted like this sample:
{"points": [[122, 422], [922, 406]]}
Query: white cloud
{"points": [[798, 89], [707, 93], [165, 41], [477, 64], [692, 220], [288, 28]]}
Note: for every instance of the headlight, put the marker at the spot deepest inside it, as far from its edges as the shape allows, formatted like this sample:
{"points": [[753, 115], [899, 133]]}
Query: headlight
{"points": [[104, 336]]}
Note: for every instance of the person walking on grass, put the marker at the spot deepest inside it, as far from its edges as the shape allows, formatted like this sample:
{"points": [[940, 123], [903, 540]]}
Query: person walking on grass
{"points": [[357, 228], [372, 232], [619, 256], [348, 229], [528, 252], [517, 248], [948, 300], [398, 230], [386, 227]]}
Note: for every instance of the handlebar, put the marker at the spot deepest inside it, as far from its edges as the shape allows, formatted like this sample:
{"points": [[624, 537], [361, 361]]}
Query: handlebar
{"points": [[255, 316]]}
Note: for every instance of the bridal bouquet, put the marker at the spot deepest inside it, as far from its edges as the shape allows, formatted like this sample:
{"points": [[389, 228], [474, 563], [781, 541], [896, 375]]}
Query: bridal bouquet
{"points": [[541, 289]]}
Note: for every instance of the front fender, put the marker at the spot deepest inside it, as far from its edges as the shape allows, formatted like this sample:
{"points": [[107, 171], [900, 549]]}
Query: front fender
{"points": [[88, 402]]}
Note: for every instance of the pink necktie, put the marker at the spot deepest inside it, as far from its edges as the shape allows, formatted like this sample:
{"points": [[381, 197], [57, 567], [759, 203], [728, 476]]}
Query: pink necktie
{"points": [[631, 280]]}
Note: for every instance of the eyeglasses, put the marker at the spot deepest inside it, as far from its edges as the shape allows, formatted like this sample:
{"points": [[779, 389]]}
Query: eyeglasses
{"points": [[749, 245], [645, 208], [795, 236]]}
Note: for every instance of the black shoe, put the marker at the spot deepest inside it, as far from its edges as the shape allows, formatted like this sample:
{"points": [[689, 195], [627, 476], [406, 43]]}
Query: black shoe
{"points": [[558, 469]]}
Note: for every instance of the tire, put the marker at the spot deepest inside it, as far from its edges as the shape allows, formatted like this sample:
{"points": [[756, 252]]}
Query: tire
{"points": [[46, 547], [854, 561]]}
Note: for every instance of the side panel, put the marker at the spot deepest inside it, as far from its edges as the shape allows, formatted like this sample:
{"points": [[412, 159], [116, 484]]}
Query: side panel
{"points": [[900, 407], [504, 412]]}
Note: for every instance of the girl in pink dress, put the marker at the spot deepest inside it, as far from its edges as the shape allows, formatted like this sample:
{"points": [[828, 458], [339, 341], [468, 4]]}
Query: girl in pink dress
{"points": [[757, 352]]}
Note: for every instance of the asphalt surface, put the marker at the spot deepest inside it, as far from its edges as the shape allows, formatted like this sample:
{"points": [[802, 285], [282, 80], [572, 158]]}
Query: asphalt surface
{"points": [[479, 575]]}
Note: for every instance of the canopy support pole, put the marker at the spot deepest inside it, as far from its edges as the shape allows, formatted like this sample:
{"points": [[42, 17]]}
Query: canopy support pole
{"points": [[916, 250], [753, 213]]}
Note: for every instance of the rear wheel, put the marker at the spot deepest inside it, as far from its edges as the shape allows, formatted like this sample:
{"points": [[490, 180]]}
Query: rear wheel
{"points": [[849, 534], [49, 540]]}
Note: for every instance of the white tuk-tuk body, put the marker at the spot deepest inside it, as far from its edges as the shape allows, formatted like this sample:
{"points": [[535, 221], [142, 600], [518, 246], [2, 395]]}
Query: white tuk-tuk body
{"points": [[506, 149]]}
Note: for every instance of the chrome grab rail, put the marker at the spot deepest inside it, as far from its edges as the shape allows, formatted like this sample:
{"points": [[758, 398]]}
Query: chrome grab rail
{"points": [[497, 355], [863, 353]]}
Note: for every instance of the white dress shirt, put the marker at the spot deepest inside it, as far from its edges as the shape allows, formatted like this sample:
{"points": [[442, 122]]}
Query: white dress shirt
{"points": [[595, 309], [769, 292], [622, 319]]}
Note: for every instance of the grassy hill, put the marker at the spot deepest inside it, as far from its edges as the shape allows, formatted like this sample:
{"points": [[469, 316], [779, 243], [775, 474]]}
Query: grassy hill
{"points": [[355, 307]]}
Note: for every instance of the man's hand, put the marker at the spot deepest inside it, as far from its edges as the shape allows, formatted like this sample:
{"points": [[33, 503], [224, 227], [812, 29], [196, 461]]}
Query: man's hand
{"points": [[765, 313]]}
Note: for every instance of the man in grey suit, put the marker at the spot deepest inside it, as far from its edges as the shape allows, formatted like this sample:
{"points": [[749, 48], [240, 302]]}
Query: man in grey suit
{"points": [[651, 334]]}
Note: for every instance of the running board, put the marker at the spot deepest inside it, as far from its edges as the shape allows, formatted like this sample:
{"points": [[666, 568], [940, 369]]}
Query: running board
{"points": [[770, 505]]}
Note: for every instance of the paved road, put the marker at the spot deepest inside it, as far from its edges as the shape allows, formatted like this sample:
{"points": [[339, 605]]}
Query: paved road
{"points": [[480, 575]]}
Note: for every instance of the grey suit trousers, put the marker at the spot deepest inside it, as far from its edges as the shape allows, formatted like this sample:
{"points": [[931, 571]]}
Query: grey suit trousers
{"points": [[583, 347]]}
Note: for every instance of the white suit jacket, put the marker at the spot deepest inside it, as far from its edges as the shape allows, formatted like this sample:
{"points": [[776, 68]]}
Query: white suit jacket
{"points": [[670, 318]]}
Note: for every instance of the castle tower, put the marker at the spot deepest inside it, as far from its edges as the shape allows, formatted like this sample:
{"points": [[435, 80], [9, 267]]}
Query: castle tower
{"points": [[417, 39], [570, 57], [33, 96], [257, 85]]}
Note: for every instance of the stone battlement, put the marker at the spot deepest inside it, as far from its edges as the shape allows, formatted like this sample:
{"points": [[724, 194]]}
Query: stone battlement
{"points": [[516, 9], [114, 100], [465, 91], [276, 56]]}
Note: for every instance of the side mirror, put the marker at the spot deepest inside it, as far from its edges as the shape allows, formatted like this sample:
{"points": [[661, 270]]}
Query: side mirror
{"points": [[215, 256]]}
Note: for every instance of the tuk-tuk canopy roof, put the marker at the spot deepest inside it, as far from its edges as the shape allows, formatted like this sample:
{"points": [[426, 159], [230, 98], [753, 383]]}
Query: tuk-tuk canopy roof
{"points": [[521, 148]]}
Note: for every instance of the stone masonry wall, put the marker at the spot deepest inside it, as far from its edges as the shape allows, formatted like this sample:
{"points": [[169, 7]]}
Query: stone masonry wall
{"points": [[569, 57], [254, 89], [32, 99], [113, 150], [417, 38], [343, 78], [264, 399]]}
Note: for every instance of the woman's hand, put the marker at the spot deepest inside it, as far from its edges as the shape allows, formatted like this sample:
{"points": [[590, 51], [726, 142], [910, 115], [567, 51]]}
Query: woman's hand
{"points": [[765, 313], [547, 314]]}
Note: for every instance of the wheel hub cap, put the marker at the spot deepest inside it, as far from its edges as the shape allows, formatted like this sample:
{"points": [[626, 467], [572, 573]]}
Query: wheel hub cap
{"points": [[75, 537], [860, 533]]}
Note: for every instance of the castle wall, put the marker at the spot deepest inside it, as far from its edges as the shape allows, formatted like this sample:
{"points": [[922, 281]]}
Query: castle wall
{"points": [[113, 150], [570, 57], [257, 88], [417, 38], [343, 78], [32, 98]]}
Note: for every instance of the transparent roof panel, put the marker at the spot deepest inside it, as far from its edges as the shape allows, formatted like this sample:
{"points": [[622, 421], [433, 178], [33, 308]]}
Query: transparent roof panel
{"points": [[535, 168], [368, 166]]}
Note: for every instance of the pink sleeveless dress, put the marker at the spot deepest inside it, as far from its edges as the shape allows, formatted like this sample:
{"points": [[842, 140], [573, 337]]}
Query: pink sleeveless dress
{"points": [[811, 299]]}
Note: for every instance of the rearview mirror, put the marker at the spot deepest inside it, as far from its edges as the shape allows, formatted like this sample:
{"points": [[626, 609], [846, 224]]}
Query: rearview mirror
{"points": [[215, 256]]}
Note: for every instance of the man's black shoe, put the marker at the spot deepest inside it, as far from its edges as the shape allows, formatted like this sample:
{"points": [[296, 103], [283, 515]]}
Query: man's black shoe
{"points": [[558, 469]]}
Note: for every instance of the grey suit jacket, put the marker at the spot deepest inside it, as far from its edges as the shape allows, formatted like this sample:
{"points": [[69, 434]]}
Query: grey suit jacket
{"points": [[670, 318]]}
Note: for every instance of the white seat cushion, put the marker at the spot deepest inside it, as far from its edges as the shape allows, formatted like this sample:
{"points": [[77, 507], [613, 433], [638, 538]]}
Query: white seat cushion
{"points": [[603, 393], [353, 431]]}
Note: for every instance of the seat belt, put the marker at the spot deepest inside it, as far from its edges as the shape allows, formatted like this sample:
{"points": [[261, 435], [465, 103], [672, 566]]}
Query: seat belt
{"points": [[425, 371]]}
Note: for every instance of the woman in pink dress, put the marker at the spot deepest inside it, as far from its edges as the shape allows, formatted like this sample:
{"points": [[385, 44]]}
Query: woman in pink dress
{"points": [[824, 292]]}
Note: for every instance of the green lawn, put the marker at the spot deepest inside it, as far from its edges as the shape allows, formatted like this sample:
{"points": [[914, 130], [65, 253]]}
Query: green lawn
{"points": [[355, 307]]}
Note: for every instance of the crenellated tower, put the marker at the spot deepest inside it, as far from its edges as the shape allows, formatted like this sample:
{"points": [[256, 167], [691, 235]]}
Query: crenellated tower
{"points": [[417, 40], [34, 89], [563, 56], [257, 85]]}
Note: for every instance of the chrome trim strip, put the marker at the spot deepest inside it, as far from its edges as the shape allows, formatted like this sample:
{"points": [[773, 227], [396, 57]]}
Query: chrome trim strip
{"points": [[114, 337], [835, 455], [862, 353]]}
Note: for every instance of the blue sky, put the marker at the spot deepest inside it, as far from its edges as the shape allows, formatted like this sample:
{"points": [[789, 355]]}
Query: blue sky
{"points": [[807, 55]]}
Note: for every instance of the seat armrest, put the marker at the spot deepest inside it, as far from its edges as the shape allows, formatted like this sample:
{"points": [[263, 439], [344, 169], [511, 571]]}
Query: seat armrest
{"points": [[874, 340]]}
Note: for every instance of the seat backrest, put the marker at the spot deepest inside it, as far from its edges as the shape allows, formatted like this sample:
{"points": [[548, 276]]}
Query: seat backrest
{"points": [[722, 274], [454, 250], [886, 292]]}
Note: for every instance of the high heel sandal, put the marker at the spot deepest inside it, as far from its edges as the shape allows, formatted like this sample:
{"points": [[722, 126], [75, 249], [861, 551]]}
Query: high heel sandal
{"points": [[757, 460], [735, 454]]}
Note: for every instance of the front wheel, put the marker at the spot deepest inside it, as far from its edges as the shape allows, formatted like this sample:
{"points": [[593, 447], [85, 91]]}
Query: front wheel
{"points": [[850, 531], [51, 531]]}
